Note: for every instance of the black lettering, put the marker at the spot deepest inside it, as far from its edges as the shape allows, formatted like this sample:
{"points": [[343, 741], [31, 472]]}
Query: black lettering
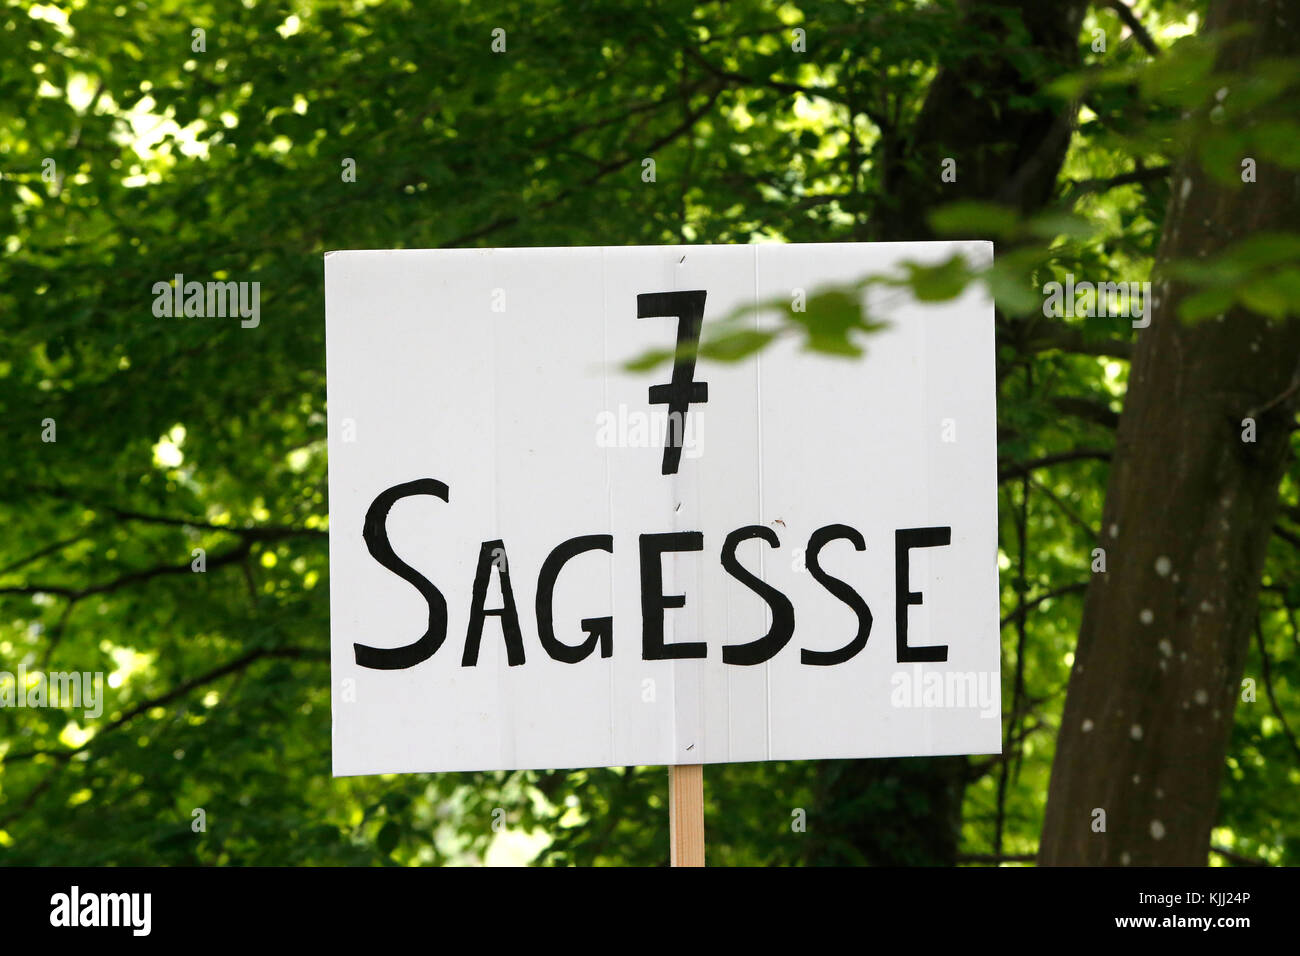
{"points": [[375, 533], [818, 540], [682, 391], [600, 629], [654, 601], [492, 555], [904, 540], [782, 629]]}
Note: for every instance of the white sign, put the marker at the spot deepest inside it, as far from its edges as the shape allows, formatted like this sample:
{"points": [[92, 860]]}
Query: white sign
{"points": [[540, 560]]}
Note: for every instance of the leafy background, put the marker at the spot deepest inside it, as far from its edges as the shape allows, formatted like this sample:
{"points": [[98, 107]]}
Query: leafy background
{"points": [[176, 434]]}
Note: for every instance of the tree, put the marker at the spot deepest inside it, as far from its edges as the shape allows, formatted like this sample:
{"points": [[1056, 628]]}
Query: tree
{"points": [[1193, 498]]}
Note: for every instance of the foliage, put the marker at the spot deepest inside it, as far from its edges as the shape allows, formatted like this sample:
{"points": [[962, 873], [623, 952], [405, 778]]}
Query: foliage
{"points": [[177, 434]]}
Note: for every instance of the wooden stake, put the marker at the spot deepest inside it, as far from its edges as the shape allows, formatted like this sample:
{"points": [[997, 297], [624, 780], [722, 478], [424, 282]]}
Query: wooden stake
{"points": [[686, 814]]}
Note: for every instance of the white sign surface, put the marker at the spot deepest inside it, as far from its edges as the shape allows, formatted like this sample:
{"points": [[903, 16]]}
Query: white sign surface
{"points": [[540, 560]]}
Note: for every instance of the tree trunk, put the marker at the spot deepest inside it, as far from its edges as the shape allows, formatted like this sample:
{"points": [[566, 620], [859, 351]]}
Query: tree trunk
{"points": [[1189, 511]]}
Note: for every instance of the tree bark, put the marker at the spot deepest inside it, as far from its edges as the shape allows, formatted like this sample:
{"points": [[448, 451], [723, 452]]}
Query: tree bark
{"points": [[1189, 510]]}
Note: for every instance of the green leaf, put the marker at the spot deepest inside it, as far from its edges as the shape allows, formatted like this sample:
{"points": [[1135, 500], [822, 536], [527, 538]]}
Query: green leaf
{"points": [[649, 360], [1262, 250], [1012, 291], [1220, 154], [938, 283], [736, 345], [1208, 302], [1263, 298], [1054, 224]]}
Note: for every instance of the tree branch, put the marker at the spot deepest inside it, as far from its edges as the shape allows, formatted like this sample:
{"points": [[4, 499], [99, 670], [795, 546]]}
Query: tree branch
{"points": [[1020, 468], [1058, 592], [1237, 857], [1266, 671], [42, 552], [1146, 174], [780, 86], [1066, 510], [610, 167], [1087, 409], [230, 667], [1131, 21], [76, 594], [255, 533], [1045, 335]]}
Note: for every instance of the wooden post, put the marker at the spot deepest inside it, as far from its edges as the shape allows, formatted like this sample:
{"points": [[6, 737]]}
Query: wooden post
{"points": [[686, 814]]}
